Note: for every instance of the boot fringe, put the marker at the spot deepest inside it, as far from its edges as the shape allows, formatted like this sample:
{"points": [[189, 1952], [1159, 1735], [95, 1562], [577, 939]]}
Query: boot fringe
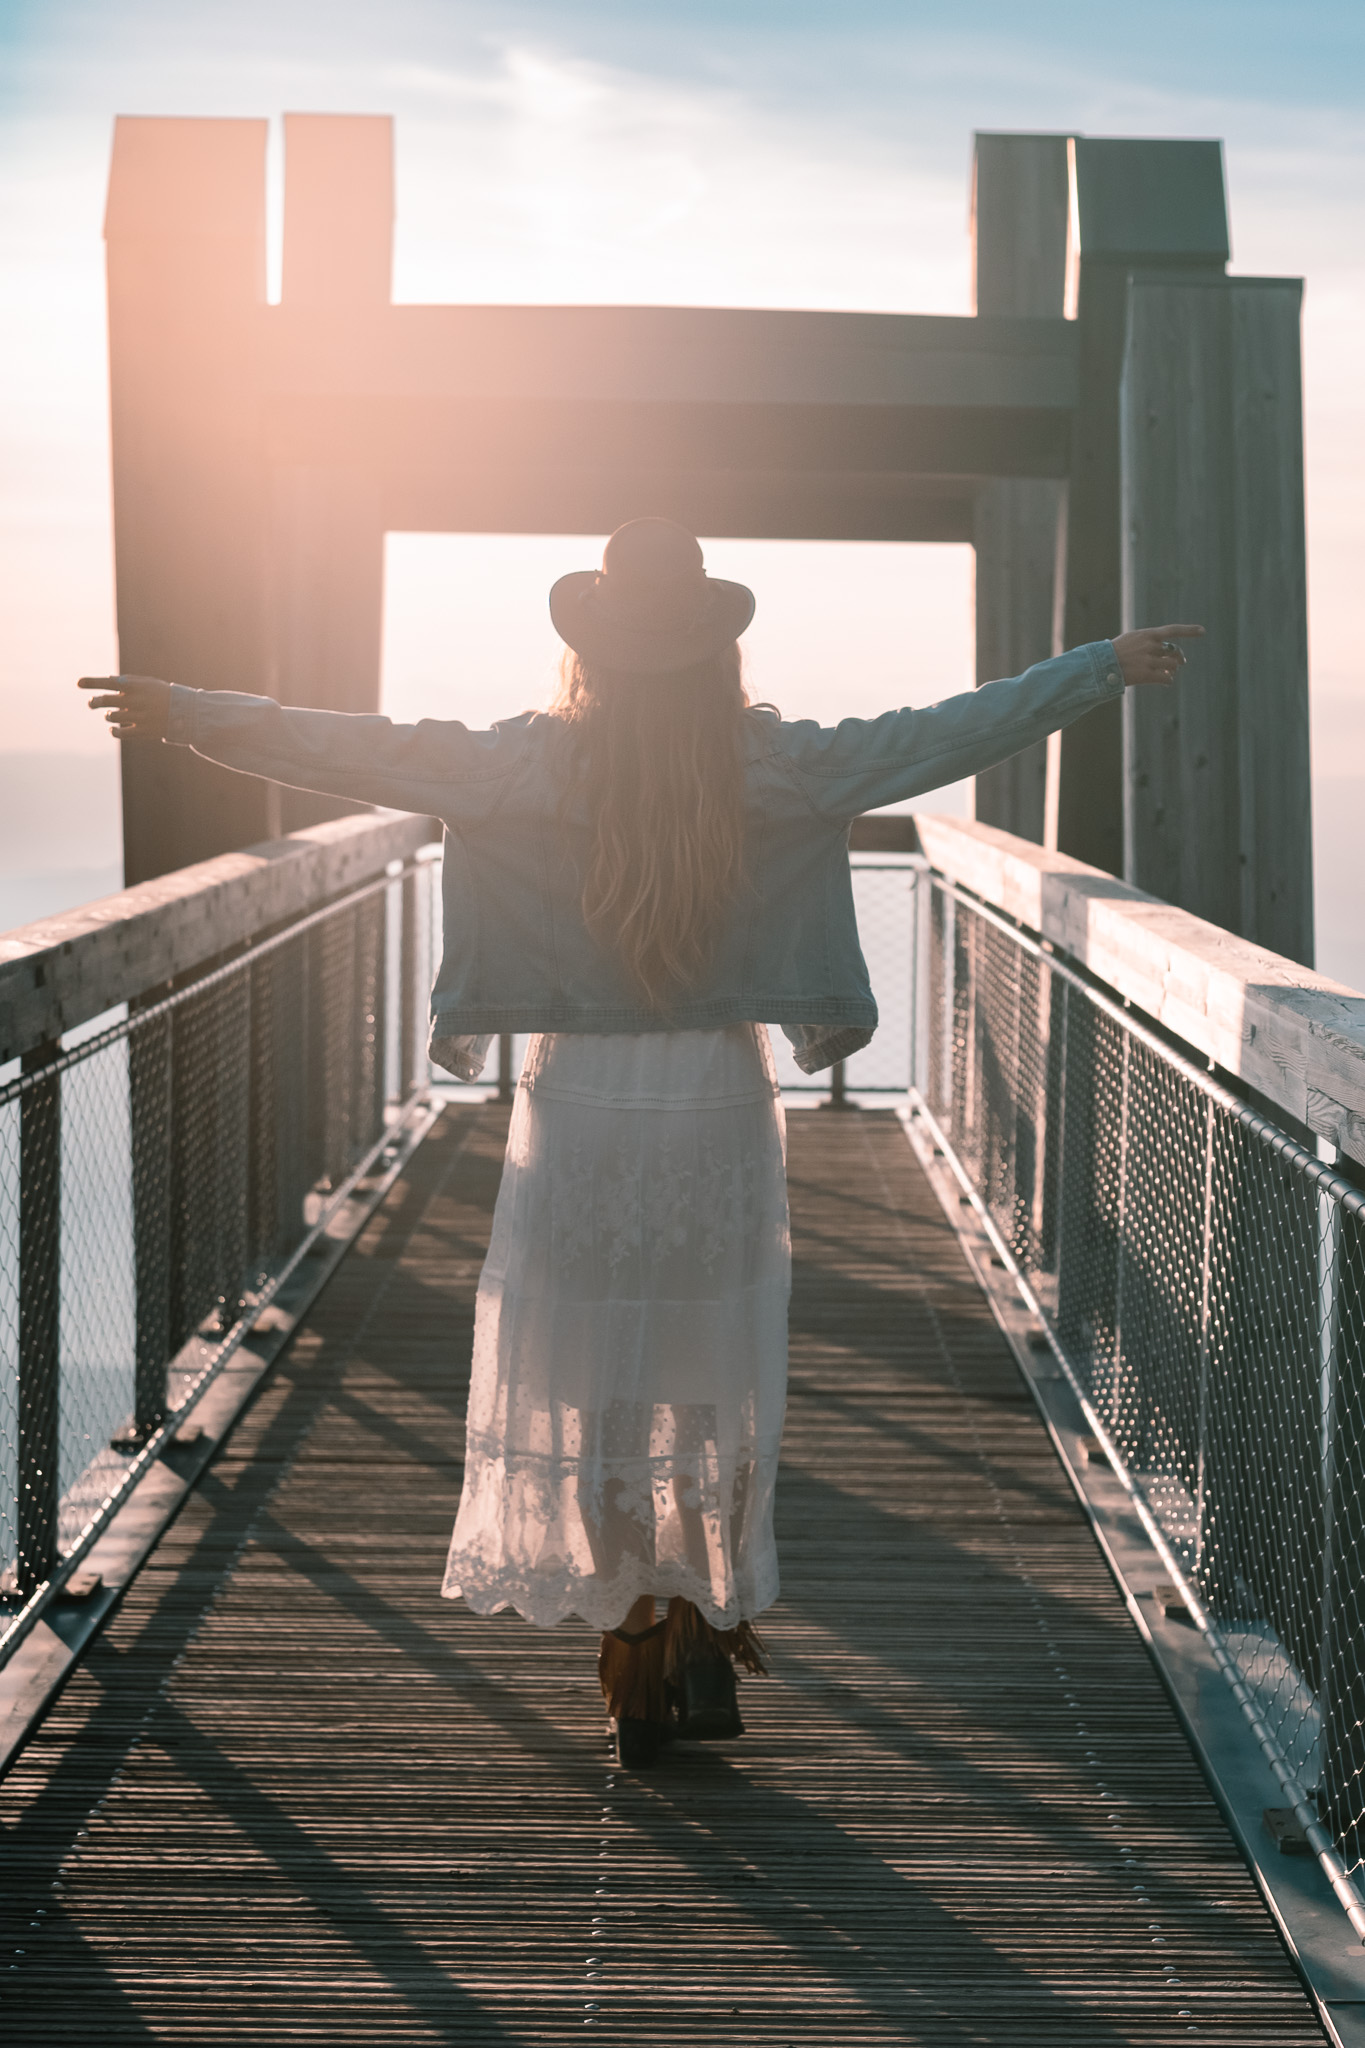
{"points": [[689, 1634]]}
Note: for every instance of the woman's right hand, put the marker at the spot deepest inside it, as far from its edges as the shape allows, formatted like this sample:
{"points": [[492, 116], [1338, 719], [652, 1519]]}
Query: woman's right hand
{"points": [[1153, 655], [135, 706]]}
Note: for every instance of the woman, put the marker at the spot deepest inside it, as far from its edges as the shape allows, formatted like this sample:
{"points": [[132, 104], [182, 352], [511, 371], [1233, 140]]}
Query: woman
{"points": [[644, 878]]}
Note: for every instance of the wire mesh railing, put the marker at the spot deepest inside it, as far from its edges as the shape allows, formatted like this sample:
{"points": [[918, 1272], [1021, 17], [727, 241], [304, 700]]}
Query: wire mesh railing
{"points": [[163, 1167], [1201, 1276]]}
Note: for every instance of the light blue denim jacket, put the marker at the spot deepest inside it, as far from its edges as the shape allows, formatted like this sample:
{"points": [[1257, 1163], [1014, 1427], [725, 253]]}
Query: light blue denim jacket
{"points": [[518, 956]]}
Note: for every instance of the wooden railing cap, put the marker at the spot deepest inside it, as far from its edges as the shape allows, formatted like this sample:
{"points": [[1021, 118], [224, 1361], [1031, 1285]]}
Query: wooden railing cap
{"points": [[64, 970], [1296, 1037]]}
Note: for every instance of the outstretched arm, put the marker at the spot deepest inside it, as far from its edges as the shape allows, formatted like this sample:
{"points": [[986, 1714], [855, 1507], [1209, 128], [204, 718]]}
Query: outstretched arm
{"points": [[359, 756], [863, 763]]}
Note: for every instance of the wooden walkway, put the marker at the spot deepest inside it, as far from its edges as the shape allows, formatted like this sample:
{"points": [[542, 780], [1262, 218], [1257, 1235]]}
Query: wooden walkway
{"points": [[293, 1796]]}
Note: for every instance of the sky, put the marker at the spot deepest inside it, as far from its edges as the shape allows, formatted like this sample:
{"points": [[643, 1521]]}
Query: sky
{"points": [[746, 152]]}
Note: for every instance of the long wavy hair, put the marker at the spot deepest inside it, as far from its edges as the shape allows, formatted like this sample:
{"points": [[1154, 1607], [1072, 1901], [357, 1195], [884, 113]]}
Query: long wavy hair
{"points": [[659, 765]]}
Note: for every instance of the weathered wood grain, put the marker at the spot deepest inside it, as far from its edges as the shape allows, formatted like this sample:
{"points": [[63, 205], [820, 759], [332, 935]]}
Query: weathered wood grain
{"points": [[1181, 759], [1217, 802]]}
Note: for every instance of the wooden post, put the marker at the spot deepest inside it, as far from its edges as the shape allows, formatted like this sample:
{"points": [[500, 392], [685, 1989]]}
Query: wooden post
{"points": [[838, 1089], [1217, 804], [1020, 207], [1140, 206], [185, 230], [1180, 813], [1272, 615], [327, 549]]}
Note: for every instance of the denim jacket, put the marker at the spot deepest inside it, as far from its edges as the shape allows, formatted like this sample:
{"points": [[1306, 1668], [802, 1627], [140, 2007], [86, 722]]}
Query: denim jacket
{"points": [[518, 956]]}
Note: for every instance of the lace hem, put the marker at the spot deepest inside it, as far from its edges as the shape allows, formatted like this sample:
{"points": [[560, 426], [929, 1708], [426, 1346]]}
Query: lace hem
{"points": [[605, 1603]]}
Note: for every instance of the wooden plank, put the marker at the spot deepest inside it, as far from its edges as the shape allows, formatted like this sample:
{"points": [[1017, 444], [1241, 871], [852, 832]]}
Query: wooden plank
{"points": [[1295, 1036], [295, 1796], [63, 970], [1020, 215]]}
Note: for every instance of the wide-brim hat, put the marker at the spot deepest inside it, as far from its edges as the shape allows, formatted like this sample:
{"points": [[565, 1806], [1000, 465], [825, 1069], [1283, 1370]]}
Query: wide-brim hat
{"points": [[651, 608]]}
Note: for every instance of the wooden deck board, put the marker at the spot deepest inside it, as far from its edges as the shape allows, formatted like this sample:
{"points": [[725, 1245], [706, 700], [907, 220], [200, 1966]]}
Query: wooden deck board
{"points": [[293, 1796]]}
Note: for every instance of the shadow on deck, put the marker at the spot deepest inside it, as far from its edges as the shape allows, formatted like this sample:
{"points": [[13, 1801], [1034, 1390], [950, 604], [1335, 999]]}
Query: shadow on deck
{"points": [[292, 1795]]}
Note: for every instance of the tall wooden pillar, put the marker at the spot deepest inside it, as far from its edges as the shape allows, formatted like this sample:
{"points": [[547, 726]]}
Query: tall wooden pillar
{"points": [[185, 229], [1217, 813], [327, 534], [1020, 207], [1142, 208]]}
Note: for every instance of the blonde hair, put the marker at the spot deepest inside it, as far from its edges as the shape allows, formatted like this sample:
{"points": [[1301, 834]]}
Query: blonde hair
{"points": [[660, 769]]}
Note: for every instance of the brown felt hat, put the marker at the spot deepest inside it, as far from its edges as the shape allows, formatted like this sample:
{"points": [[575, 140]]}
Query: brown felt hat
{"points": [[651, 607]]}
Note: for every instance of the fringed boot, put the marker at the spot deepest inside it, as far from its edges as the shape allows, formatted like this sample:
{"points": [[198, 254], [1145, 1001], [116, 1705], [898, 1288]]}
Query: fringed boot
{"points": [[699, 1666], [630, 1666]]}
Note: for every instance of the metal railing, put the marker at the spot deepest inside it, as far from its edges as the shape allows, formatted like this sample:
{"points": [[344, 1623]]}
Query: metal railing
{"points": [[1201, 1277], [165, 1166]]}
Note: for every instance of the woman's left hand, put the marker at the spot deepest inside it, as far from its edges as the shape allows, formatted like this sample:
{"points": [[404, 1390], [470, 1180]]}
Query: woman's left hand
{"points": [[135, 705], [1153, 654]]}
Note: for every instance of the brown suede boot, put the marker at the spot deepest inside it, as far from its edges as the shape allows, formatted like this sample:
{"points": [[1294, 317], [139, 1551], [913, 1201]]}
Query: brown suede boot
{"points": [[699, 1665], [630, 1667]]}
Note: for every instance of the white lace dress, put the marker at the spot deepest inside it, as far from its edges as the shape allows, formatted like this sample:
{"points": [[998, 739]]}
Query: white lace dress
{"points": [[630, 1335]]}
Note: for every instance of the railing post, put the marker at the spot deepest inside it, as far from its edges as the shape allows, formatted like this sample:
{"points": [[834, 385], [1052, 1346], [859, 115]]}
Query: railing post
{"points": [[377, 979], [837, 1097], [40, 1171], [505, 1066], [407, 986], [150, 1057]]}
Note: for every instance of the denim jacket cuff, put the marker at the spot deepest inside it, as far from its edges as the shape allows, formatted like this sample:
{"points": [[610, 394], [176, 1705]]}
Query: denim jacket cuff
{"points": [[1104, 665], [180, 719]]}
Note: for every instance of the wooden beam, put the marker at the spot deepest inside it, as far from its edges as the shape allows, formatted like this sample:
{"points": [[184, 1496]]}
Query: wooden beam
{"points": [[732, 504], [670, 355], [401, 435], [1295, 1037], [1020, 208]]}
